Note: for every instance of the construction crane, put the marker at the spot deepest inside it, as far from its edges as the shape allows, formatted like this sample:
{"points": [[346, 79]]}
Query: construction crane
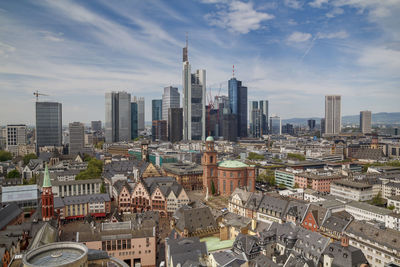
{"points": [[37, 94]]}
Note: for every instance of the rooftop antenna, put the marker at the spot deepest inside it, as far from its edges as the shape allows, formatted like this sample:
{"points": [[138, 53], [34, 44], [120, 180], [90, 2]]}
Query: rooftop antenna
{"points": [[185, 50], [186, 40], [233, 71]]}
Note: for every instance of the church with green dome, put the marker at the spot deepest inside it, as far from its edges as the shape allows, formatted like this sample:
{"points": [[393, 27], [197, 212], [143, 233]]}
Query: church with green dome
{"points": [[224, 177]]}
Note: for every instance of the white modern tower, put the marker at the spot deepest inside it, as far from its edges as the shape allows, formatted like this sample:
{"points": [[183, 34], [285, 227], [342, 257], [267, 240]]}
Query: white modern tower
{"points": [[194, 101], [365, 121], [333, 114]]}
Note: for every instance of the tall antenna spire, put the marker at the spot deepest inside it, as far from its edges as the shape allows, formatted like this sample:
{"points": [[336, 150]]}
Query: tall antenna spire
{"points": [[185, 50], [233, 71]]}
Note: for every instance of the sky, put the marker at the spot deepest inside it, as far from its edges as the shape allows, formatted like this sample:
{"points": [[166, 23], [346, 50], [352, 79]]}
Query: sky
{"points": [[290, 52]]}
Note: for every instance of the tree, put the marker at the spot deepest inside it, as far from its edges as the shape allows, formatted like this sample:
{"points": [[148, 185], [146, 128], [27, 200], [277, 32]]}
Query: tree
{"points": [[272, 180], [99, 145], [102, 188], [93, 171], [14, 174], [296, 185], [296, 156], [212, 188], [5, 155], [391, 207], [282, 186], [28, 157], [378, 200], [255, 156], [86, 157]]}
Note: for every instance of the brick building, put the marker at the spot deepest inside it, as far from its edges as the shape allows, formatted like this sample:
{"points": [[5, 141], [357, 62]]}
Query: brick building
{"points": [[189, 175], [224, 177]]}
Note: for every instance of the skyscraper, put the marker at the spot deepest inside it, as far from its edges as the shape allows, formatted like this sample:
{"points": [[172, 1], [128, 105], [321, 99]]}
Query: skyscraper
{"points": [[76, 137], [96, 126], [265, 116], [194, 97], [15, 136], [275, 125], [48, 124], [156, 109], [170, 99], [175, 125], [134, 120], [159, 130], [118, 117], [365, 121], [141, 117], [311, 124], [333, 114], [238, 104]]}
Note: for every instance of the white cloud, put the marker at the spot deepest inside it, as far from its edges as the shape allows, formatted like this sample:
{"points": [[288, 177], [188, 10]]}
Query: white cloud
{"points": [[52, 37], [299, 37], [334, 12], [5, 49], [292, 22], [333, 35], [238, 17], [318, 3], [296, 4], [381, 58]]}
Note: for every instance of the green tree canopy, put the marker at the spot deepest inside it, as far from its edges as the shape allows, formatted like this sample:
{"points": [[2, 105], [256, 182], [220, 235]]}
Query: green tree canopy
{"points": [[93, 171], [5, 155], [255, 156], [28, 157], [14, 174], [295, 156]]}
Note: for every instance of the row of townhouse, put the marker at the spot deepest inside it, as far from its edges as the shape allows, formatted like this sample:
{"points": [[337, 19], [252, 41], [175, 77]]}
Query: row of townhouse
{"points": [[380, 246], [364, 211], [294, 178], [75, 207], [161, 194]]}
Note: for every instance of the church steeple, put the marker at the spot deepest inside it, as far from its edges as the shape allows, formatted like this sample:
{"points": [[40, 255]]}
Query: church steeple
{"points": [[46, 178], [47, 197]]}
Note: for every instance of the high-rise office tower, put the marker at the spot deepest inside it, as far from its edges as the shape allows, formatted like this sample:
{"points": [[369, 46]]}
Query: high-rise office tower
{"points": [[96, 126], [118, 117], [76, 137], [238, 104], [256, 117], [170, 99], [15, 136], [134, 120], [140, 107], [288, 129], [175, 125], [159, 130], [311, 124], [322, 126], [333, 114], [156, 109], [220, 103], [194, 97], [365, 121], [264, 119], [48, 124], [229, 127], [275, 125]]}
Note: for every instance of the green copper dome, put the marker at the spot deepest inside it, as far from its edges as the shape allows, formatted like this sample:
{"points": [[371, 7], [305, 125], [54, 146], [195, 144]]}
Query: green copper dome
{"points": [[46, 178], [232, 164], [210, 139]]}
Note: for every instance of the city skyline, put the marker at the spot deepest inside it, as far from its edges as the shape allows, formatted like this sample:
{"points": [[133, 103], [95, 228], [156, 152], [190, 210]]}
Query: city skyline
{"points": [[292, 53]]}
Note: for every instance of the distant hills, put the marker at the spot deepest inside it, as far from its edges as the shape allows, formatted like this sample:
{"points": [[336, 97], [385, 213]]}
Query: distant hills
{"points": [[377, 118]]}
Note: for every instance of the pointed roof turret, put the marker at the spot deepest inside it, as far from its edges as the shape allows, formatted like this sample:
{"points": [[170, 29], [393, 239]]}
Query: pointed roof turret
{"points": [[46, 178]]}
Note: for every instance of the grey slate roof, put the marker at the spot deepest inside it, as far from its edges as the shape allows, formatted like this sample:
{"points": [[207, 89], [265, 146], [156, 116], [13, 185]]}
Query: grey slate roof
{"points": [[229, 258], [273, 204], [384, 237], [186, 250], [319, 213], [262, 260], [345, 256], [194, 219], [9, 213], [60, 202], [254, 201], [336, 223], [247, 244], [296, 209]]}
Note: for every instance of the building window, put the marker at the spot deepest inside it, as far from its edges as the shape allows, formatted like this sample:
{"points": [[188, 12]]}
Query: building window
{"points": [[211, 171], [231, 185], [224, 174], [211, 159], [224, 184]]}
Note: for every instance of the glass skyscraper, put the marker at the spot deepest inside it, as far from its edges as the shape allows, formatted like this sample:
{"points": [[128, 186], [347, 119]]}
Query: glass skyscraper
{"points": [[275, 125], [156, 110], [118, 117], [333, 114], [134, 120], [238, 104], [48, 124]]}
